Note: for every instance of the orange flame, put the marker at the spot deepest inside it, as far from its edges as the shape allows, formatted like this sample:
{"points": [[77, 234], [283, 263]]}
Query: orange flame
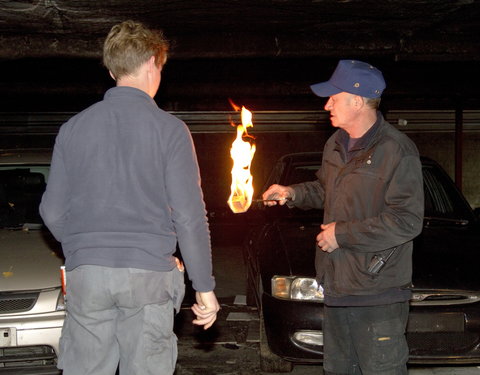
{"points": [[242, 153]]}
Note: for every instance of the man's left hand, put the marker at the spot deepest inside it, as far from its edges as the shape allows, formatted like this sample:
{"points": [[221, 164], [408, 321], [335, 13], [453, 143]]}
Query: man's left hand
{"points": [[205, 309], [326, 239]]}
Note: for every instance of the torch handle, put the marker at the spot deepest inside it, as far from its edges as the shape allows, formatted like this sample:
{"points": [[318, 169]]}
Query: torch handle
{"points": [[63, 278]]}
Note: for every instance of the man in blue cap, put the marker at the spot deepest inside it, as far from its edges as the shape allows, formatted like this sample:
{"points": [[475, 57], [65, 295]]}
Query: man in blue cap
{"points": [[370, 186]]}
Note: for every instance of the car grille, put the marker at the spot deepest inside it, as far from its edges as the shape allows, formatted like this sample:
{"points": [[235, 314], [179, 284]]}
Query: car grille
{"points": [[17, 302], [27, 357], [443, 297], [454, 345]]}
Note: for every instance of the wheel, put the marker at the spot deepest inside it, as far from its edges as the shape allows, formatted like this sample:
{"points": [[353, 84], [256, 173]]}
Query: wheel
{"points": [[270, 362], [254, 295], [252, 279]]}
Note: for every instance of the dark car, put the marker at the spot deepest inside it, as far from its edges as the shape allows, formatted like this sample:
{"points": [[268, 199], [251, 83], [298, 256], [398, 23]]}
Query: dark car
{"points": [[444, 321]]}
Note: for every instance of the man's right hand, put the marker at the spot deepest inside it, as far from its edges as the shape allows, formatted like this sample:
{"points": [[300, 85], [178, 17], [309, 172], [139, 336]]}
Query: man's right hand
{"points": [[277, 194]]}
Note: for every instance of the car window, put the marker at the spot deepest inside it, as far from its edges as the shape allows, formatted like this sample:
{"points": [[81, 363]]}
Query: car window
{"points": [[285, 173], [21, 189], [441, 196], [301, 173], [275, 175]]}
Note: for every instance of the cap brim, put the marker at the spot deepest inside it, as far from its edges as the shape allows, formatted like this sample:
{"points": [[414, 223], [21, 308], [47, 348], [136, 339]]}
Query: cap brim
{"points": [[325, 89]]}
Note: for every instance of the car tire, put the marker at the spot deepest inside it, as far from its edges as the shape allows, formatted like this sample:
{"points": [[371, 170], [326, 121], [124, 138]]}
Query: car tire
{"points": [[254, 295], [251, 279], [251, 299], [269, 361]]}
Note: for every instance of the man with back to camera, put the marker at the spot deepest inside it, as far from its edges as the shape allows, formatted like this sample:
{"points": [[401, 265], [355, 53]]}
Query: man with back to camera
{"points": [[124, 187], [370, 186]]}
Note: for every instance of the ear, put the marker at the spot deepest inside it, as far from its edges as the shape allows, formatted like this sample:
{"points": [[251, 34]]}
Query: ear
{"points": [[358, 101], [111, 75], [151, 62]]}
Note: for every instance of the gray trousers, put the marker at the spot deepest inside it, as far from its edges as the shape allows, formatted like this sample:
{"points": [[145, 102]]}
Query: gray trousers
{"points": [[120, 317], [366, 340]]}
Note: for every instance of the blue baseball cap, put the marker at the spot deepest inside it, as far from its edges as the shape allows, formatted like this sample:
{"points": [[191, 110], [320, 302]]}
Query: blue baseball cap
{"points": [[354, 77]]}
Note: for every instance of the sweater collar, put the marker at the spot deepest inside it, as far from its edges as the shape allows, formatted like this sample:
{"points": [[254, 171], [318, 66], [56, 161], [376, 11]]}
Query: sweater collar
{"points": [[119, 91]]}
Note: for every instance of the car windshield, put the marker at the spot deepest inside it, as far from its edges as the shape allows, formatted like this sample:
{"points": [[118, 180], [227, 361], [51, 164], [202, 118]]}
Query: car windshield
{"points": [[302, 173], [293, 172], [442, 200], [21, 189]]}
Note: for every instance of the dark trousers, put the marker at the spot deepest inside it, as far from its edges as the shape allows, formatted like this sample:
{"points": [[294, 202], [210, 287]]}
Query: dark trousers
{"points": [[367, 340]]}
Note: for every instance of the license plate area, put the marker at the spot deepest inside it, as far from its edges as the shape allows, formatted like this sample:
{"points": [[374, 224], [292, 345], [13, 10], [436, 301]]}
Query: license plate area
{"points": [[8, 337], [445, 322]]}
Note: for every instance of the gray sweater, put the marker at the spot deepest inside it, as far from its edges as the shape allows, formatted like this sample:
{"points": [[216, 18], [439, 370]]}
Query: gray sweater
{"points": [[124, 187]]}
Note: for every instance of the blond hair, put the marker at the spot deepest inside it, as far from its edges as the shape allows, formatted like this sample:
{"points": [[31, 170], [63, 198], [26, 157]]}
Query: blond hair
{"points": [[129, 45]]}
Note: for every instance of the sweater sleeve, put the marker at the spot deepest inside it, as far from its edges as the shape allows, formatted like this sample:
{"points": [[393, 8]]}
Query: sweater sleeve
{"points": [[188, 210], [54, 204]]}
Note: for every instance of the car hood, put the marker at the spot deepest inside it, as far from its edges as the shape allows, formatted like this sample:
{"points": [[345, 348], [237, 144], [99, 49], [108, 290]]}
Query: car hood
{"points": [[444, 256], [30, 260]]}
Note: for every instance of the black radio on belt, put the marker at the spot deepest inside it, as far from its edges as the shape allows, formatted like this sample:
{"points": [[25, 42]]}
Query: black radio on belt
{"points": [[378, 261]]}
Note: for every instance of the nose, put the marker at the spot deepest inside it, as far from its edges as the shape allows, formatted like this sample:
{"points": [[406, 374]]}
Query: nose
{"points": [[328, 105]]}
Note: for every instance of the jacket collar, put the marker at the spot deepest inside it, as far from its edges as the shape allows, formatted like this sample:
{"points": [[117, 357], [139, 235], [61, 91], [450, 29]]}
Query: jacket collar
{"points": [[342, 138]]}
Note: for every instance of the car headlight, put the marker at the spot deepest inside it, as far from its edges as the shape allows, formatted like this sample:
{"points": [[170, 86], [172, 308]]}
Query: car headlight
{"points": [[297, 288], [60, 301]]}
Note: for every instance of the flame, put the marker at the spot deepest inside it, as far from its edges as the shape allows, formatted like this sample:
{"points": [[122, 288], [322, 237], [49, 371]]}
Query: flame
{"points": [[242, 153]]}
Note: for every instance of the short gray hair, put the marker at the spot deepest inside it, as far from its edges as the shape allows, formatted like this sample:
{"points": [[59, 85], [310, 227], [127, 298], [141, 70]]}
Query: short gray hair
{"points": [[373, 103]]}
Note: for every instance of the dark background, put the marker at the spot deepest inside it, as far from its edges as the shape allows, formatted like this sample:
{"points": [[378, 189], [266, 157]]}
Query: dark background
{"points": [[262, 55]]}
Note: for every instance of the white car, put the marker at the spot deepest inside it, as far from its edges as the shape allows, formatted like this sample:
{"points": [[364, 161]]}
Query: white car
{"points": [[32, 308]]}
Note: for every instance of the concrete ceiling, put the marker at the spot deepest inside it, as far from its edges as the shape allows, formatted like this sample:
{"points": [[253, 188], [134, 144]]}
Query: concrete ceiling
{"points": [[267, 52]]}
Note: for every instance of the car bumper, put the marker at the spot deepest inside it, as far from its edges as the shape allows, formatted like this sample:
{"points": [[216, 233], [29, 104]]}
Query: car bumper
{"points": [[283, 319], [446, 335], [30, 342]]}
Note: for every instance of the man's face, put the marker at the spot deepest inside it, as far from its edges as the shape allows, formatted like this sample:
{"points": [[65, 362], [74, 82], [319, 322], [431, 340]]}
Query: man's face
{"points": [[341, 108]]}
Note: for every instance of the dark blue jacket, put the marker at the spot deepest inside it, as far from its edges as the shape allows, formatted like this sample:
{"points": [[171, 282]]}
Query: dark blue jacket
{"points": [[376, 200]]}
